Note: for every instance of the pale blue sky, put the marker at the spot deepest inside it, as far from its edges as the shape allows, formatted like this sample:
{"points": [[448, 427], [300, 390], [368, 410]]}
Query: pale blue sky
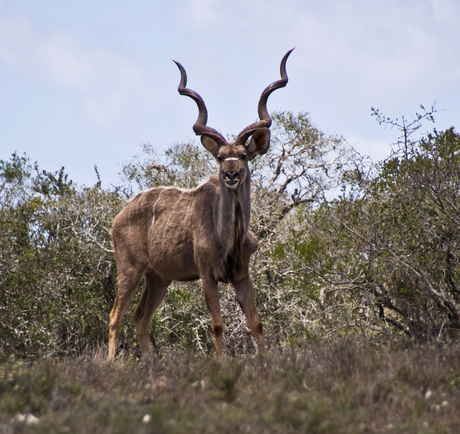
{"points": [[87, 82]]}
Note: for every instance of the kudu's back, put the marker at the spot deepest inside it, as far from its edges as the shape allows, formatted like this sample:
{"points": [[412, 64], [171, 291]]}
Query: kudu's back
{"points": [[162, 230]]}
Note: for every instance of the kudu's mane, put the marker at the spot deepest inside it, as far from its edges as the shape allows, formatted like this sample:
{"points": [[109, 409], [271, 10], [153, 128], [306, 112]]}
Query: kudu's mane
{"points": [[234, 260]]}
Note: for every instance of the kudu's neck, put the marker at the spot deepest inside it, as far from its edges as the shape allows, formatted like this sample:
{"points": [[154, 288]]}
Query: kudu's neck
{"points": [[233, 212]]}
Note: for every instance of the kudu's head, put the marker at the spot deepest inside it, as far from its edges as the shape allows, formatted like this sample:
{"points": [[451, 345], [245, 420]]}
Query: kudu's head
{"points": [[233, 156]]}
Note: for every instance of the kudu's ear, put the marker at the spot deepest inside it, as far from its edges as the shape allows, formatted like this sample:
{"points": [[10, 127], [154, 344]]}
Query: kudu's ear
{"points": [[259, 143], [210, 144]]}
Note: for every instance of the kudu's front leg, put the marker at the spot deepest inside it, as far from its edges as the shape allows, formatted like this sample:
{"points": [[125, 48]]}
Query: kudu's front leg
{"points": [[244, 291], [245, 297], [212, 300]]}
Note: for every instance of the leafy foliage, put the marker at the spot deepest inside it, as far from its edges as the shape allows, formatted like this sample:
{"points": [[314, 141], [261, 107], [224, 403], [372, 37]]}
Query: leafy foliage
{"points": [[383, 257], [346, 247], [56, 271]]}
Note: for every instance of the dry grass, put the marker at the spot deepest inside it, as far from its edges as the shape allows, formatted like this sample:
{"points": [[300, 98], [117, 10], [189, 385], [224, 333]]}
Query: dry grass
{"points": [[347, 387]]}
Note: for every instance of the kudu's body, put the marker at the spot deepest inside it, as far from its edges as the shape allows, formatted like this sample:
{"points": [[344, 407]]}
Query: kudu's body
{"points": [[168, 234]]}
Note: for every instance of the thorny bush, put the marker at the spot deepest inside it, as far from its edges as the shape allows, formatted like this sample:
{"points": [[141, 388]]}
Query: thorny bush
{"points": [[345, 248]]}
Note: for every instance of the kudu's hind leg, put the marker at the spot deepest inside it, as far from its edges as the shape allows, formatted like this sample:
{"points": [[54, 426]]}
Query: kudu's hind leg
{"points": [[152, 296], [127, 283]]}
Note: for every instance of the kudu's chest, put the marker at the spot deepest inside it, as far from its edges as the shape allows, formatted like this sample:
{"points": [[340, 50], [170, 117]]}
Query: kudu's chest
{"points": [[194, 231]]}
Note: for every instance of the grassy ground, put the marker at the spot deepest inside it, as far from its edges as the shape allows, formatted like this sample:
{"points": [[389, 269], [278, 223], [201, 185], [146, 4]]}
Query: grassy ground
{"points": [[340, 388]]}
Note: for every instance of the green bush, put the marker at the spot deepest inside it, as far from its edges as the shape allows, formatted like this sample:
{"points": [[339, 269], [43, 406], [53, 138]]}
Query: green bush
{"points": [[345, 248]]}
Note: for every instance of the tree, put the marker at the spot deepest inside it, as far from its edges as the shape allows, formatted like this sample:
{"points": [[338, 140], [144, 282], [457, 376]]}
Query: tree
{"points": [[56, 271], [384, 255], [345, 246], [415, 207], [301, 169]]}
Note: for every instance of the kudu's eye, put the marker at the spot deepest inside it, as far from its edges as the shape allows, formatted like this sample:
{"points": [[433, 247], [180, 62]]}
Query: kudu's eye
{"points": [[220, 159], [243, 157]]}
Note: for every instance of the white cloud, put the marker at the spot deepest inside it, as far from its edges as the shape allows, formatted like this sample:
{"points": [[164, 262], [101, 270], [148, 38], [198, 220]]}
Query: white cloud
{"points": [[203, 13], [445, 12], [16, 35], [104, 111], [383, 49], [103, 81], [65, 60]]}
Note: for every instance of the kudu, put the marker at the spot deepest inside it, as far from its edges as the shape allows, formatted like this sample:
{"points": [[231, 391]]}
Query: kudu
{"points": [[168, 233]]}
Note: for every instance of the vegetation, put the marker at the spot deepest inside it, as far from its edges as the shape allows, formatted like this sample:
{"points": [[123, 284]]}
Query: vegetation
{"points": [[357, 278], [345, 387]]}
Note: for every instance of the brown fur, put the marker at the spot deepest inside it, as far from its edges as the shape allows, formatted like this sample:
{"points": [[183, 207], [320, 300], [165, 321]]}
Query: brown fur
{"points": [[167, 234], [170, 234]]}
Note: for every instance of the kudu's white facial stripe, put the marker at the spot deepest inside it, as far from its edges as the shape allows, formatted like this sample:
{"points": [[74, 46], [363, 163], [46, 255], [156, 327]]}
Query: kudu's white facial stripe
{"points": [[231, 159]]}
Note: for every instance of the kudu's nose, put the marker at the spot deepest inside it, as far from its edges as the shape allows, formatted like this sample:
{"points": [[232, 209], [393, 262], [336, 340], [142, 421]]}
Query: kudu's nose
{"points": [[231, 176]]}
